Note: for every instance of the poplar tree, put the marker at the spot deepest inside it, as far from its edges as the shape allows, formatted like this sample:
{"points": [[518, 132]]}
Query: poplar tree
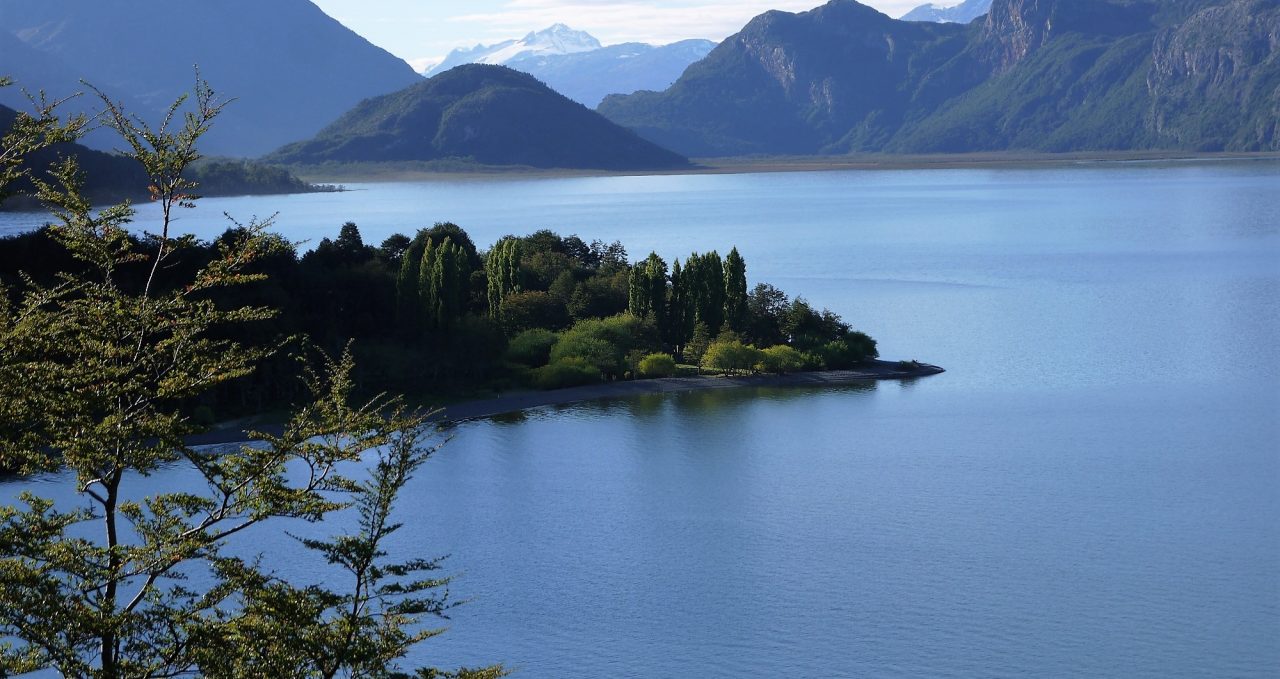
{"points": [[408, 283], [679, 318], [736, 314], [648, 290], [503, 269], [705, 275], [426, 284]]}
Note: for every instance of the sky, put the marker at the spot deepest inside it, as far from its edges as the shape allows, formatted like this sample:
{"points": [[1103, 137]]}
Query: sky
{"points": [[422, 32]]}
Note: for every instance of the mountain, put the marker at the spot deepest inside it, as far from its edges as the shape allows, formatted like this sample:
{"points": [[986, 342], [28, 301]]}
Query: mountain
{"points": [[491, 115], [588, 77], [960, 14], [107, 175], [110, 177], [289, 67], [1042, 75], [556, 40], [574, 64]]}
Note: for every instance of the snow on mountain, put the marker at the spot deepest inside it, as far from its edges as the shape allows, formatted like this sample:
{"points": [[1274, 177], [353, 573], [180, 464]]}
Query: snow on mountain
{"points": [[556, 40], [962, 13]]}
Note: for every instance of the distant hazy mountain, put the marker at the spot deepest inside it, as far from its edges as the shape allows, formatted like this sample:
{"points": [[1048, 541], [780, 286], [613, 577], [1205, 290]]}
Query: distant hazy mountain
{"points": [[962, 13], [290, 67], [112, 177], [556, 40], [490, 115], [574, 64], [1048, 75], [588, 77]]}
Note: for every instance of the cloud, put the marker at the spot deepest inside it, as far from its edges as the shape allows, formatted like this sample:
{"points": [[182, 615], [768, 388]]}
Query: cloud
{"points": [[659, 21]]}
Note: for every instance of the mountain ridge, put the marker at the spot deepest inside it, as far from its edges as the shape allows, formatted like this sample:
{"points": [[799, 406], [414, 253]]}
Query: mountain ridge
{"points": [[1034, 75], [490, 115], [576, 65], [291, 69]]}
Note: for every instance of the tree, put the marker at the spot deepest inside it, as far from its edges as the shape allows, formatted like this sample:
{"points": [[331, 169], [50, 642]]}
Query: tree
{"points": [[503, 268], [735, 292], [704, 279], [408, 283], [443, 276], [94, 372], [532, 309], [679, 315], [648, 290], [766, 308]]}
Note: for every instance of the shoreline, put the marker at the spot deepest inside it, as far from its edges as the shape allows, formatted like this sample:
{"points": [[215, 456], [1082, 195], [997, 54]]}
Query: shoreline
{"points": [[409, 171], [504, 404]]}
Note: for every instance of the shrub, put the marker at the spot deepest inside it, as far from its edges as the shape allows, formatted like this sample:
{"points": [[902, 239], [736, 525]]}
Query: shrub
{"points": [[781, 359], [567, 372], [605, 343], [601, 354], [731, 357], [657, 365], [532, 347]]}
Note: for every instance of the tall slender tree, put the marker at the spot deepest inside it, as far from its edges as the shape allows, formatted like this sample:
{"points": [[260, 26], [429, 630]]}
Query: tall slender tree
{"points": [[503, 268], [679, 316], [736, 313]]}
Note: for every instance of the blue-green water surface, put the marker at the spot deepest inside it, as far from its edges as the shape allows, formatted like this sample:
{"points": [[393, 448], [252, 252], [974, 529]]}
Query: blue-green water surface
{"points": [[1092, 489]]}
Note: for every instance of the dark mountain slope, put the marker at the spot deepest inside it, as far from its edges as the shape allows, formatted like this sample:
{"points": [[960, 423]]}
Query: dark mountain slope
{"points": [[491, 115], [290, 67], [1051, 75], [793, 83], [111, 177]]}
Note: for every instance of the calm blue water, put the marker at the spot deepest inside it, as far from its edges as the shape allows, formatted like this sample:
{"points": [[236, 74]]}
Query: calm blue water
{"points": [[1092, 489]]}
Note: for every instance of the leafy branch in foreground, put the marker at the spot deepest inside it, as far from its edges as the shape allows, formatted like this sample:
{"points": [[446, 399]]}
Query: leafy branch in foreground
{"points": [[132, 581]]}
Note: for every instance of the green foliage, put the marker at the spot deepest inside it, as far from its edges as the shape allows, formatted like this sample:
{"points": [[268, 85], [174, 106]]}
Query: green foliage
{"points": [[735, 291], [781, 359], [245, 178], [766, 311], [502, 264], [599, 296], [572, 371], [532, 309], [731, 357], [532, 347], [605, 343], [648, 290], [703, 279], [698, 343], [93, 372], [657, 365], [847, 352]]}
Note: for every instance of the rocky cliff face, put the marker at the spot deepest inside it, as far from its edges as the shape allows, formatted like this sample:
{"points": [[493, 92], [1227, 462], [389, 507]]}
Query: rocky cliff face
{"points": [[1229, 58], [1014, 29], [1045, 75]]}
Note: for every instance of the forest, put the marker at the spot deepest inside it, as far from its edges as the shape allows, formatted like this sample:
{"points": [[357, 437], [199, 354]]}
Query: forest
{"points": [[432, 316]]}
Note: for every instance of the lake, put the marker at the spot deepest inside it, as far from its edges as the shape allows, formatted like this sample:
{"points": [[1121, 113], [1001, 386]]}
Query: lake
{"points": [[1092, 489]]}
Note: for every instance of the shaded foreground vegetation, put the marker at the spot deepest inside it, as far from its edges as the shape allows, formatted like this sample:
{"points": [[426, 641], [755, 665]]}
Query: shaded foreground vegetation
{"points": [[432, 316], [98, 366]]}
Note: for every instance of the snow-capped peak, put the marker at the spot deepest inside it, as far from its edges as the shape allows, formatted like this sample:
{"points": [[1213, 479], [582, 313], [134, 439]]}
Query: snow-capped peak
{"points": [[557, 39]]}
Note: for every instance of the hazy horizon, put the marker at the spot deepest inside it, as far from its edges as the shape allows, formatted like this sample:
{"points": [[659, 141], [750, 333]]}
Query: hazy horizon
{"points": [[424, 33]]}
